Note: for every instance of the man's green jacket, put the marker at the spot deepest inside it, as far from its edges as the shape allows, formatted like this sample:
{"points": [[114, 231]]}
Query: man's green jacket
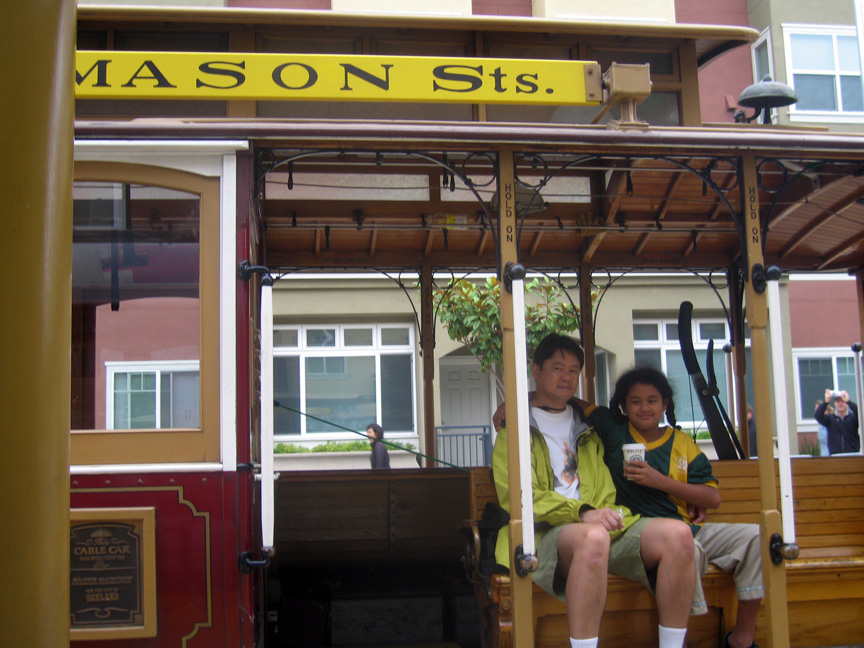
{"points": [[552, 509]]}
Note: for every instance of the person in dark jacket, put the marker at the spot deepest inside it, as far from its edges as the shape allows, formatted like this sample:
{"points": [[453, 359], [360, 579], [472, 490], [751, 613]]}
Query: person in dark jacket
{"points": [[842, 424], [751, 430], [379, 457]]}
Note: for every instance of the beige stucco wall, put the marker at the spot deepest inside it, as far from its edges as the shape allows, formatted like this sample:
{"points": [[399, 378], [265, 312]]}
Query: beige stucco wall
{"points": [[377, 299], [647, 11], [418, 7], [650, 297], [304, 300], [773, 14], [156, 3]]}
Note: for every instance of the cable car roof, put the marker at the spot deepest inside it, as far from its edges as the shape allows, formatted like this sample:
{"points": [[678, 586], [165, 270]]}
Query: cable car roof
{"points": [[388, 194]]}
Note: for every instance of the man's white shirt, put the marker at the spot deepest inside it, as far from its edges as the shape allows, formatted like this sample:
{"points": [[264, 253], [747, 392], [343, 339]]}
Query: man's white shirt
{"points": [[560, 431]]}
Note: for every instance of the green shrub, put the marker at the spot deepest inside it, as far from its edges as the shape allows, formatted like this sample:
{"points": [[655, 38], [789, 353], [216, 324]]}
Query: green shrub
{"points": [[289, 448], [337, 446], [394, 445], [343, 446], [810, 448]]}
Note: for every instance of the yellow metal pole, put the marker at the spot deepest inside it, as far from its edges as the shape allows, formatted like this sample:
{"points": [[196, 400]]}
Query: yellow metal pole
{"points": [[36, 108], [757, 317], [523, 623]]}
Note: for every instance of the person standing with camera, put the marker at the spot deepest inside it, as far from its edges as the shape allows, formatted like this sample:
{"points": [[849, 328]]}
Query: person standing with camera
{"points": [[842, 424]]}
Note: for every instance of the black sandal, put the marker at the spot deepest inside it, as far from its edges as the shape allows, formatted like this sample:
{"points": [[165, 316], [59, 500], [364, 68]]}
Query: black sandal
{"points": [[726, 641]]}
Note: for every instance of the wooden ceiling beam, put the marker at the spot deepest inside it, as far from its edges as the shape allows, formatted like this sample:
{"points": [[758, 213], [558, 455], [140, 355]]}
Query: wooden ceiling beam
{"points": [[484, 240], [339, 259], [640, 246], [535, 244], [593, 245], [430, 240], [613, 194]]}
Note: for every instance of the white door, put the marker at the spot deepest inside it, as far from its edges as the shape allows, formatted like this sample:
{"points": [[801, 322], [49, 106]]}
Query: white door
{"points": [[466, 412]]}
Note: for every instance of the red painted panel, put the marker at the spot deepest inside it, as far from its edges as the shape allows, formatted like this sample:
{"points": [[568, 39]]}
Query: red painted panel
{"points": [[197, 579]]}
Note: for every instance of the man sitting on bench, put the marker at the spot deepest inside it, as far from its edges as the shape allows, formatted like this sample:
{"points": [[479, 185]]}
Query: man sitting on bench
{"points": [[581, 534]]}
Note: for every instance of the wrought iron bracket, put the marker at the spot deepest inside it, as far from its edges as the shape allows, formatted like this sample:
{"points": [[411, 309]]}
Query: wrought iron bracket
{"points": [[760, 276], [246, 563], [513, 272], [245, 270]]}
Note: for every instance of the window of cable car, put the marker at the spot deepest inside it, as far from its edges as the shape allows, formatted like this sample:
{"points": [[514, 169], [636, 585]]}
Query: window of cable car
{"points": [[136, 320]]}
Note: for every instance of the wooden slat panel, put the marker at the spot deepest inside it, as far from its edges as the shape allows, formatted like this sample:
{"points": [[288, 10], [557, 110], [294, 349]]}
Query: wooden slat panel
{"points": [[366, 517]]}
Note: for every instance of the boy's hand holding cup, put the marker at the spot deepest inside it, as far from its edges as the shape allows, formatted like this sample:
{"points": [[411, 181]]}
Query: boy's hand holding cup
{"points": [[633, 452]]}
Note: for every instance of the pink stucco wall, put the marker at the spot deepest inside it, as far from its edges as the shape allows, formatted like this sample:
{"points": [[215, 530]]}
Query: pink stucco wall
{"points": [[501, 7], [721, 81], [823, 313], [161, 329]]}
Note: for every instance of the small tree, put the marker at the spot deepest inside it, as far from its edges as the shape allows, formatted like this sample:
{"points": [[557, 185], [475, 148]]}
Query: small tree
{"points": [[470, 313]]}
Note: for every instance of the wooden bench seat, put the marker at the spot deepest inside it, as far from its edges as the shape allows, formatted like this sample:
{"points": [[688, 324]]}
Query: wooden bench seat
{"points": [[825, 585]]}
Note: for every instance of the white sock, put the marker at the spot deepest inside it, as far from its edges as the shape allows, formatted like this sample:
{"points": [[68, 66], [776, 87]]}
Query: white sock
{"points": [[671, 637], [583, 643]]}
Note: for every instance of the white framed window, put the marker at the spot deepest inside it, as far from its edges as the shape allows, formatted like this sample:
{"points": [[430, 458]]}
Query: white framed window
{"points": [[656, 344], [601, 376], [824, 68], [331, 379], [152, 395], [762, 61], [761, 57], [817, 370]]}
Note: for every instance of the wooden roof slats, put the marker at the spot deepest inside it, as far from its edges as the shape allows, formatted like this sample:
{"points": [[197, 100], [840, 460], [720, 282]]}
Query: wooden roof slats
{"points": [[826, 216], [798, 199], [841, 250], [663, 209], [652, 210]]}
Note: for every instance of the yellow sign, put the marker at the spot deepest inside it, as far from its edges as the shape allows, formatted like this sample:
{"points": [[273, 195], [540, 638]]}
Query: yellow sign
{"points": [[329, 77]]}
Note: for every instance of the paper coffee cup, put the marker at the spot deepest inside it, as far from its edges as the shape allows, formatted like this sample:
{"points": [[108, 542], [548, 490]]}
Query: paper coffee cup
{"points": [[634, 451]]}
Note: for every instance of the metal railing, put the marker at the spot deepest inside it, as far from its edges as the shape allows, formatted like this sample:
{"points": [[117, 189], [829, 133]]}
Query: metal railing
{"points": [[464, 445]]}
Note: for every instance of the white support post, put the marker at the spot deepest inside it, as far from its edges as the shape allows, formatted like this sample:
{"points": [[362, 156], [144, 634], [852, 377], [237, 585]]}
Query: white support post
{"points": [[781, 411], [518, 292], [859, 398], [266, 476]]}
